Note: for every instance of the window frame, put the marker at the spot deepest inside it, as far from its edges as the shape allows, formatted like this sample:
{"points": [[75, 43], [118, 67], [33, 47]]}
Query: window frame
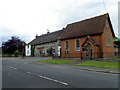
{"points": [[66, 47], [28, 46], [77, 48], [108, 39]]}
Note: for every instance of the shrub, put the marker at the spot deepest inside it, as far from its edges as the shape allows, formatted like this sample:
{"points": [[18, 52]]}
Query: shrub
{"points": [[16, 53]]}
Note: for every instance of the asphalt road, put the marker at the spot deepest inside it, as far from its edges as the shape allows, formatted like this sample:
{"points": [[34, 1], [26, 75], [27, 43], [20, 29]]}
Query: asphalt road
{"points": [[21, 73]]}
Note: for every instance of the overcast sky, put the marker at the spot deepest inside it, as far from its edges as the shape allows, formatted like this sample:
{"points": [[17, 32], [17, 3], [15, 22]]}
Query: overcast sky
{"points": [[26, 18]]}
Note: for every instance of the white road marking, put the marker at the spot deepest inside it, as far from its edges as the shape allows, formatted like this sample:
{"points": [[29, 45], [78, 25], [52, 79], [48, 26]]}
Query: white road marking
{"points": [[12, 67], [47, 78]]}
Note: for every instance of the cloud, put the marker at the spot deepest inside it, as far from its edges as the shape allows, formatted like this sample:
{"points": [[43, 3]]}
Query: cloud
{"points": [[7, 34], [25, 18]]}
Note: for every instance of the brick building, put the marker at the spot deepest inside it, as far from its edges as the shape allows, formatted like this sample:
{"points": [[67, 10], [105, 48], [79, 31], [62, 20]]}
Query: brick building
{"points": [[89, 39]]}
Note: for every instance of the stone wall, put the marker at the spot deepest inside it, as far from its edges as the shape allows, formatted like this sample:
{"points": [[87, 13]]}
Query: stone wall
{"points": [[43, 49]]}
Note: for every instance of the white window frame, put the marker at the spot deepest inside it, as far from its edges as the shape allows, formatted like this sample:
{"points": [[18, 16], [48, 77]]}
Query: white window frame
{"points": [[76, 45], [66, 49]]}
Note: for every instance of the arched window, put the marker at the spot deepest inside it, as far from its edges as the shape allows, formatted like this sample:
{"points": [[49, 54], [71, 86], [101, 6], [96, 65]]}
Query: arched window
{"points": [[108, 39], [66, 47], [66, 44], [77, 45]]}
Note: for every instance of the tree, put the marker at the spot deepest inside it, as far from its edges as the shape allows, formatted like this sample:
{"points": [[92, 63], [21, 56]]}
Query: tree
{"points": [[32, 50], [13, 44], [117, 41]]}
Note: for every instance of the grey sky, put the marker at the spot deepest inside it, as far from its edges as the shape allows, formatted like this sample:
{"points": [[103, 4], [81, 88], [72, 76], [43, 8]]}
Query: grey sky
{"points": [[25, 18]]}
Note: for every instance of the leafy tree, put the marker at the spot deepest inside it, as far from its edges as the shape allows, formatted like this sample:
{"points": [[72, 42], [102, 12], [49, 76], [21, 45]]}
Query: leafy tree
{"points": [[12, 45], [32, 50], [117, 41]]}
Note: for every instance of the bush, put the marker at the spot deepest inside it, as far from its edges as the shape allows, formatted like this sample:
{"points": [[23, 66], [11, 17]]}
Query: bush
{"points": [[16, 53], [22, 53]]}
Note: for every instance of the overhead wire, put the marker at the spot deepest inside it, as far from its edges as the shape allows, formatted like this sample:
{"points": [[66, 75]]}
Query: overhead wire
{"points": [[104, 6]]}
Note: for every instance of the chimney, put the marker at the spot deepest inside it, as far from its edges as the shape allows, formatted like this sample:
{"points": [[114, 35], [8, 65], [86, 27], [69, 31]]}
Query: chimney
{"points": [[36, 35], [48, 31]]}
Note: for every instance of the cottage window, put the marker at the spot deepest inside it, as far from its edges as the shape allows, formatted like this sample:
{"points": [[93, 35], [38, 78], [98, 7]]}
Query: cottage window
{"points": [[28, 46], [77, 43], [108, 39], [28, 52], [66, 47], [53, 51]]}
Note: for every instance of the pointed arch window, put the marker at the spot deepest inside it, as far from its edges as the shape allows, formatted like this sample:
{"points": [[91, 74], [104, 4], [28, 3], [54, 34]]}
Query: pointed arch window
{"points": [[77, 43], [108, 40], [66, 47]]}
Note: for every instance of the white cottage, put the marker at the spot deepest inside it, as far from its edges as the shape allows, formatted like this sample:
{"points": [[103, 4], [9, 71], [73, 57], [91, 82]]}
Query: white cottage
{"points": [[28, 50], [45, 45]]}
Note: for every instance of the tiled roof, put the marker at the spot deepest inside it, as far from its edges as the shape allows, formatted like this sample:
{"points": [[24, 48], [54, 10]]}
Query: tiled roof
{"points": [[92, 40], [92, 26], [46, 38]]}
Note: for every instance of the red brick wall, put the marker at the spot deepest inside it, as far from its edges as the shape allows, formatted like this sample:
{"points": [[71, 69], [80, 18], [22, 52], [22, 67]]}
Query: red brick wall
{"points": [[77, 54], [101, 51], [107, 50]]}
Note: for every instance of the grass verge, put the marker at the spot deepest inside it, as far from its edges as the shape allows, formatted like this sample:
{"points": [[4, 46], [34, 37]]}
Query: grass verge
{"points": [[56, 61], [99, 64], [116, 57], [7, 57]]}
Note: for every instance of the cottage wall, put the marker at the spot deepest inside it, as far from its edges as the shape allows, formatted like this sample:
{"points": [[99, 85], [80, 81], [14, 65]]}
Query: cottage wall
{"points": [[28, 50], [45, 47]]}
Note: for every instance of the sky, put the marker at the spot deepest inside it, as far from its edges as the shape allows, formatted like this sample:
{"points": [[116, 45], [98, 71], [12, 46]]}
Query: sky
{"points": [[26, 18]]}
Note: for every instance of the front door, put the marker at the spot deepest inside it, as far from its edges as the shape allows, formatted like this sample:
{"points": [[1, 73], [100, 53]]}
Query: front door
{"points": [[88, 51]]}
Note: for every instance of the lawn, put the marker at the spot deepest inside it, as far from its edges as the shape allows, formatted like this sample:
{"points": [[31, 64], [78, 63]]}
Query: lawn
{"points": [[116, 57], [6, 57], [57, 61], [99, 64]]}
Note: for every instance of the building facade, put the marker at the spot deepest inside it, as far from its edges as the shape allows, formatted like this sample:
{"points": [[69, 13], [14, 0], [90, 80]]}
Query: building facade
{"points": [[89, 39], [47, 49], [28, 50], [45, 45]]}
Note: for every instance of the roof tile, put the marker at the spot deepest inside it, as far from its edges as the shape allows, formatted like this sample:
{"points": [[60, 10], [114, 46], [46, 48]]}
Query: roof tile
{"points": [[86, 27]]}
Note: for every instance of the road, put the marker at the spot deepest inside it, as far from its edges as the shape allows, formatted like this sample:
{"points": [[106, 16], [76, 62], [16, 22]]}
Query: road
{"points": [[22, 73]]}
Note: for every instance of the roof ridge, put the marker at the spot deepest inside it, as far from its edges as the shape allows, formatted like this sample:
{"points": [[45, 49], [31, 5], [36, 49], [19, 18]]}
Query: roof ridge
{"points": [[49, 33], [106, 14], [91, 26]]}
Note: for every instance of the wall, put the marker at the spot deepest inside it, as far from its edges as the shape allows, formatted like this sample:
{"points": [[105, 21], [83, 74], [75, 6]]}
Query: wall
{"points": [[103, 50], [77, 54], [28, 50], [107, 50], [45, 47]]}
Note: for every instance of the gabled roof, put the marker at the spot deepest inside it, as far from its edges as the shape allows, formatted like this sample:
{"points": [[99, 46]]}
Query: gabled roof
{"points": [[92, 40], [92, 26], [46, 38]]}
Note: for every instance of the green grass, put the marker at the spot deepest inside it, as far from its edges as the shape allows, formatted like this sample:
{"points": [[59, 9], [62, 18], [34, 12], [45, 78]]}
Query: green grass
{"points": [[99, 64], [116, 57], [5, 57], [56, 61], [8, 57]]}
